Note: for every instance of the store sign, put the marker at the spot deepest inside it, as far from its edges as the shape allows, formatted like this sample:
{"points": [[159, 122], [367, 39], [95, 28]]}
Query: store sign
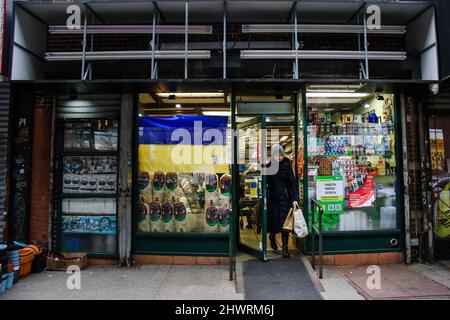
{"points": [[330, 193], [437, 149], [364, 196]]}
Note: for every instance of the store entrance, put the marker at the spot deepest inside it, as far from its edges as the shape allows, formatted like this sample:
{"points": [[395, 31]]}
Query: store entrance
{"points": [[255, 140]]}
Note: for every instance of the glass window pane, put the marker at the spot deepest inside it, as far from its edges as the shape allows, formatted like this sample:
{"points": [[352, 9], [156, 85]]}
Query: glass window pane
{"points": [[351, 159], [92, 135], [185, 185]]}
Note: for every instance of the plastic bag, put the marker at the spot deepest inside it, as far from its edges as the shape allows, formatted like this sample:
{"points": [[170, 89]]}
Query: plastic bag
{"points": [[300, 227]]}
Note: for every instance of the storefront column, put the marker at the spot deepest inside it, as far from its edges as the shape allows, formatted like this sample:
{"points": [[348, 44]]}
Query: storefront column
{"points": [[41, 169], [125, 161]]}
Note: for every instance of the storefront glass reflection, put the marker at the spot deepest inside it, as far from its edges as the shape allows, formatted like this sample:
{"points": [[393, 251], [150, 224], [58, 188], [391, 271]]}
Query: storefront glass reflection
{"points": [[351, 159]]}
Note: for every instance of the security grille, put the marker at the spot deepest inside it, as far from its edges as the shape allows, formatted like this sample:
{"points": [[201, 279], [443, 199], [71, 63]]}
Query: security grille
{"points": [[4, 120]]}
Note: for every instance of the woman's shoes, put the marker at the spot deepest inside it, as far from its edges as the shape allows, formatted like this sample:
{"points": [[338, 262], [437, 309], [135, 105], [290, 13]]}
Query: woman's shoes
{"points": [[273, 242]]}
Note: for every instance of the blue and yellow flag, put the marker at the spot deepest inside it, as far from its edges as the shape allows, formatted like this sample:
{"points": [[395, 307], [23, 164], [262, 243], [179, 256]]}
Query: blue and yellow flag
{"points": [[183, 144]]}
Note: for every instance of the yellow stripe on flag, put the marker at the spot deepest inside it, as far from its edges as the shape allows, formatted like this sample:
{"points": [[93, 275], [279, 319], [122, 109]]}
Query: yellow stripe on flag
{"points": [[183, 158]]}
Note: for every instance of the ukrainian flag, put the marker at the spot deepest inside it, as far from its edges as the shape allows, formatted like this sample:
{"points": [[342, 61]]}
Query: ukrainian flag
{"points": [[184, 144]]}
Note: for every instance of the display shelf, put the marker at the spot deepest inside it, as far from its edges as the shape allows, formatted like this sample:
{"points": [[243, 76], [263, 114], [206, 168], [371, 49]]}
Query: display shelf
{"points": [[386, 154], [89, 195], [86, 155], [82, 233], [89, 153], [88, 214]]}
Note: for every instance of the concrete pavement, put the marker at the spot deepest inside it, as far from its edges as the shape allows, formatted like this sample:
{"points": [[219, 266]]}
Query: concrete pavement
{"points": [[186, 282], [148, 282]]}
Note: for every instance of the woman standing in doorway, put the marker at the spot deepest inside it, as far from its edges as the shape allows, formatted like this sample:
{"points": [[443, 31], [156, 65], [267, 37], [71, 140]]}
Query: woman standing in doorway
{"points": [[282, 191]]}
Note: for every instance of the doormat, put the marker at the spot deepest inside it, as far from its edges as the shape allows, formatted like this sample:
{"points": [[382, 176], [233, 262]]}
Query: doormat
{"points": [[396, 282], [286, 279]]}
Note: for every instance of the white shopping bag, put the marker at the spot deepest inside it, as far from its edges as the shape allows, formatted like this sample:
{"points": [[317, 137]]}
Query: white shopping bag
{"points": [[300, 227]]}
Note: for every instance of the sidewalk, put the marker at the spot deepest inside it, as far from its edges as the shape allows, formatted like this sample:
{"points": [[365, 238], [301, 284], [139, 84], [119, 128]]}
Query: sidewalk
{"points": [[149, 282], [184, 282], [397, 282]]}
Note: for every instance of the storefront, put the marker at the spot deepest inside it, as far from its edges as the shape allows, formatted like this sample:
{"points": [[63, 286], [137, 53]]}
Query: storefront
{"points": [[162, 152]]}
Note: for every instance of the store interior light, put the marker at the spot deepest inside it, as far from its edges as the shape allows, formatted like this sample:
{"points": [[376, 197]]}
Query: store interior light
{"points": [[78, 103], [366, 106], [217, 113], [178, 106], [190, 94], [337, 95], [284, 138]]}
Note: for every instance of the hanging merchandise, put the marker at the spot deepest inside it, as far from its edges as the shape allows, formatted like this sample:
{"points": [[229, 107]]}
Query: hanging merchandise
{"points": [[146, 187], [171, 185], [168, 216], [155, 216], [211, 218], [181, 221], [224, 219], [211, 187], [143, 216], [225, 191], [159, 180], [387, 110]]}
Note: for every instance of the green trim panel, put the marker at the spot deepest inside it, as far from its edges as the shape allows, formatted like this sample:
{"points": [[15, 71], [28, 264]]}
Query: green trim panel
{"points": [[182, 244], [361, 242]]}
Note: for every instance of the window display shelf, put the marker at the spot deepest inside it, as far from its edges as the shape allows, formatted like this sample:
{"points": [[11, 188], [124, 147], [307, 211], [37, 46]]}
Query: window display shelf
{"points": [[89, 195], [384, 154], [88, 153], [88, 214]]}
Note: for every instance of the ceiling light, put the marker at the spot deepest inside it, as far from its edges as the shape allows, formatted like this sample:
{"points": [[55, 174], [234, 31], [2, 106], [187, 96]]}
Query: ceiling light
{"points": [[217, 113], [178, 106], [284, 138], [190, 94], [336, 95], [366, 106]]}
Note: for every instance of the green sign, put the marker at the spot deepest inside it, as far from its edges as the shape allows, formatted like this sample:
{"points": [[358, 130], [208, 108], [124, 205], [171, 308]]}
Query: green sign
{"points": [[330, 194]]}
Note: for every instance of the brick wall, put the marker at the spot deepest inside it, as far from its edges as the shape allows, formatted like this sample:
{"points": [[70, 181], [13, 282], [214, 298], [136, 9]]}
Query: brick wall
{"points": [[41, 169]]}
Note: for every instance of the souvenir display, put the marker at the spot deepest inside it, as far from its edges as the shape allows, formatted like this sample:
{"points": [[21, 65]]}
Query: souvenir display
{"points": [[89, 224], [90, 175]]}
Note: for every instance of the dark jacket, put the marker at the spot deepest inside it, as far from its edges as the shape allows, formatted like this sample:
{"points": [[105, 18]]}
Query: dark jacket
{"points": [[282, 190]]}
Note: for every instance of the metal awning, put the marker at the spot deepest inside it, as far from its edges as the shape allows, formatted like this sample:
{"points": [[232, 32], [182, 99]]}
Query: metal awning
{"points": [[239, 11]]}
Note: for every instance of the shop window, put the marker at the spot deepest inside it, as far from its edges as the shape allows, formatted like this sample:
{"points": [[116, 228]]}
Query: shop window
{"points": [[88, 201], [351, 159], [184, 173]]}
